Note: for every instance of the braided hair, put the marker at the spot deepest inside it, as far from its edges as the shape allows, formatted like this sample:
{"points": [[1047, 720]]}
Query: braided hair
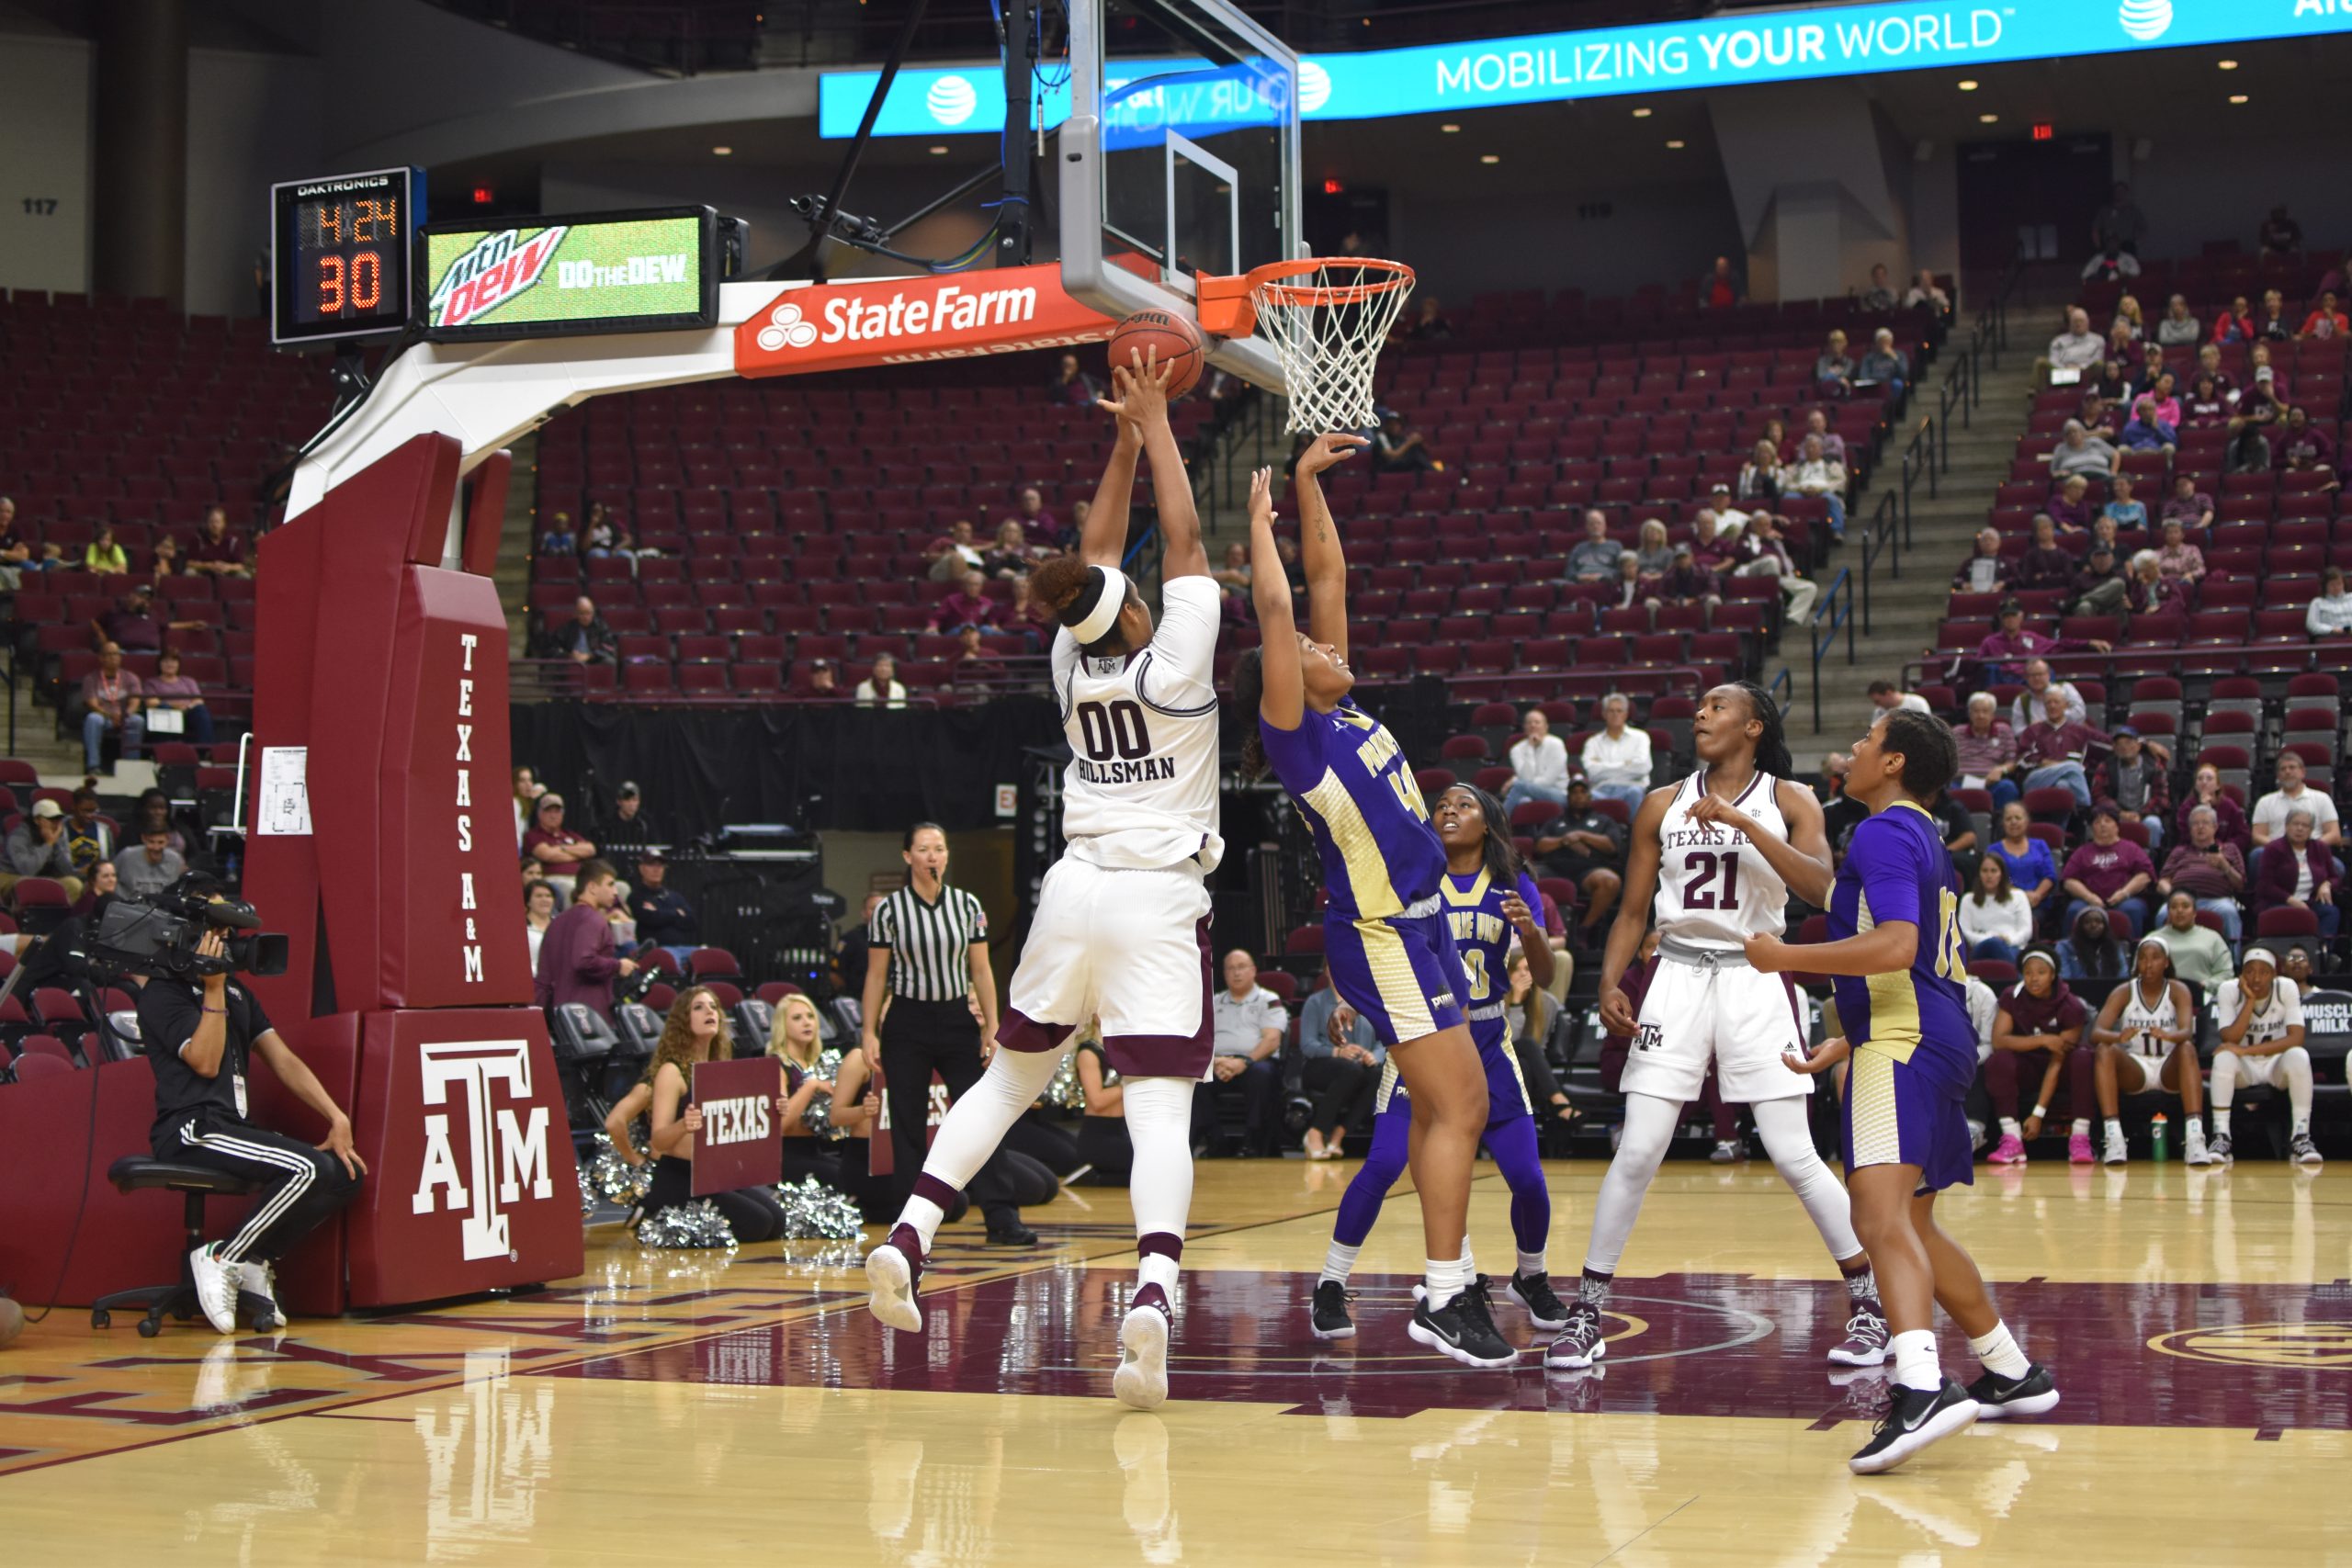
{"points": [[1772, 745], [1249, 691]]}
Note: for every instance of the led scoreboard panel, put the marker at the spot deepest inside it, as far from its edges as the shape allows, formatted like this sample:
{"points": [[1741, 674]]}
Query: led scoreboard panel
{"points": [[561, 276], [339, 255]]}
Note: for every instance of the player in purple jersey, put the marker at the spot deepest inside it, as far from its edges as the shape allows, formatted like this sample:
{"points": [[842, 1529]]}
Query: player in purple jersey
{"points": [[1895, 959], [1391, 955]]}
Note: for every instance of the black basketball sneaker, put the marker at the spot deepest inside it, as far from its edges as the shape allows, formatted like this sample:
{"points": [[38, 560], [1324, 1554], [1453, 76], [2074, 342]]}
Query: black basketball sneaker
{"points": [[1544, 1308], [1998, 1397], [1582, 1343], [1328, 1316], [1464, 1328], [1915, 1419]]}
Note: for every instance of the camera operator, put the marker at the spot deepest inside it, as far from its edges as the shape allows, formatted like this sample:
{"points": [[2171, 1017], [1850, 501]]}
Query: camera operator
{"points": [[576, 959], [202, 1036]]}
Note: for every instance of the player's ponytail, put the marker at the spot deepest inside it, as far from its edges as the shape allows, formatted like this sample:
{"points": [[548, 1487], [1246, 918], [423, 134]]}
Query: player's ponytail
{"points": [[1249, 691], [1772, 745], [1501, 855], [1072, 590]]}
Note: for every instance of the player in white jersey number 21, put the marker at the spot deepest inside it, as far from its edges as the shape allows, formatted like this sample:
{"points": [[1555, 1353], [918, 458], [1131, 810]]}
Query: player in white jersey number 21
{"points": [[1122, 925], [1718, 854]]}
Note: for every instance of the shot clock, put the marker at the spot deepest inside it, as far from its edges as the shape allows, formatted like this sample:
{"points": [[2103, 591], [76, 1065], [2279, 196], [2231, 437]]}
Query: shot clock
{"points": [[340, 253]]}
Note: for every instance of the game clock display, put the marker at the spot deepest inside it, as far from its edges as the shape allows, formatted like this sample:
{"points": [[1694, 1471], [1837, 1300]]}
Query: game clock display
{"points": [[340, 250]]}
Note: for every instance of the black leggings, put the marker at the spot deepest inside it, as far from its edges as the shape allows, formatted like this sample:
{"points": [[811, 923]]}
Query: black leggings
{"points": [[919, 1039], [1102, 1143], [1047, 1143], [751, 1213]]}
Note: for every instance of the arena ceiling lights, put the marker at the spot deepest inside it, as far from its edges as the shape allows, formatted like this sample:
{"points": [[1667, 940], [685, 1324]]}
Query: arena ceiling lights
{"points": [[1736, 49]]}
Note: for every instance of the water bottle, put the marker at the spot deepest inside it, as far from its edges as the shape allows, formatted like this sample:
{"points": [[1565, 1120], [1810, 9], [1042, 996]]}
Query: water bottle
{"points": [[2160, 1134]]}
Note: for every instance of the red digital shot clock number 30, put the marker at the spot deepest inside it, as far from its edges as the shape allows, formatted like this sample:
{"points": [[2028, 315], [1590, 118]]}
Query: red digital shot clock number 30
{"points": [[340, 251]]}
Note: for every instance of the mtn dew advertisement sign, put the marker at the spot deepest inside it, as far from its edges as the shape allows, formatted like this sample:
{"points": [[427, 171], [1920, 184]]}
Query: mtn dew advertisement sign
{"points": [[555, 276]]}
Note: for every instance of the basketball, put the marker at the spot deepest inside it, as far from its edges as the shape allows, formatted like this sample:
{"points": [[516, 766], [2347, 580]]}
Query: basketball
{"points": [[1169, 338], [12, 1321]]}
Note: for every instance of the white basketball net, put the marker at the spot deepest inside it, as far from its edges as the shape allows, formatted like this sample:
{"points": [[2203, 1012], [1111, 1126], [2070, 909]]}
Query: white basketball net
{"points": [[1328, 326]]}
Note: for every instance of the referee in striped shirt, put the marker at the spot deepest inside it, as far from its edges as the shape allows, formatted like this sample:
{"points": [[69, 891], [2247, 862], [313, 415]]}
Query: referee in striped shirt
{"points": [[928, 948]]}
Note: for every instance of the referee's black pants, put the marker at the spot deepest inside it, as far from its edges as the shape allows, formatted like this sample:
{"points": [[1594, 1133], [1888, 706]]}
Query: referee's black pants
{"points": [[301, 1186], [919, 1039]]}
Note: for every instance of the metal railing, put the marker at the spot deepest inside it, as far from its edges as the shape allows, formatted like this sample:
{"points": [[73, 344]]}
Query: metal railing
{"points": [[1920, 456], [2183, 661], [1822, 631], [1884, 536]]}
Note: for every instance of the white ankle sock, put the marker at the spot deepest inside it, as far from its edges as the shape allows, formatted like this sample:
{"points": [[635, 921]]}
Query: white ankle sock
{"points": [[2114, 1126], [2221, 1123], [2009, 1128], [1532, 1263], [1914, 1359], [2082, 1127], [1999, 1352], [1445, 1280], [1339, 1262]]}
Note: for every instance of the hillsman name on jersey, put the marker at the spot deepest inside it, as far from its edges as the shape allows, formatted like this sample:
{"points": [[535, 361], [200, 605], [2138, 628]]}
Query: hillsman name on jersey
{"points": [[1145, 770]]}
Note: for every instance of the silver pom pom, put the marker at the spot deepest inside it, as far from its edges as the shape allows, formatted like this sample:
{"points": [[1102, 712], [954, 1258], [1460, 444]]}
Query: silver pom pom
{"points": [[818, 1117], [813, 1211], [687, 1224], [1063, 1091], [607, 1178]]}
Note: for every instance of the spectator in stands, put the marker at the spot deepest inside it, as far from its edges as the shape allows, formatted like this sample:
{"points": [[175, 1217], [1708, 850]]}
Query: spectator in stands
{"points": [[1037, 520], [2235, 324], [89, 837], [1655, 558], [2133, 781], [2156, 418], [1429, 324], [1732, 517], [1725, 287], [1586, 846], [2090, 950], [2052, 751], [2330, 615], [2296, 869], [1886, 697], [1029, 615], [1594, 559], [1880, 295], [103, 555], [1995, 920], [2122, 508], [527, 790], [2129, 318], [1985, 572], [2207, 870], [2081, 454], [2279, 234], [2099, 587], [131, 624], [663, 918], [1011, 554], [14, 554], [1816, 428], [2110, 872], [1840, 812], [2302, 445], [155, 810], [604, 536], [1539, 764], [1765, 551], [216, 551], [101, 886], [1396, 450], [1926, 290], [969, 605], [155, 867], [823, 680], [2199, 954], [1988, 750], [2033, 870], [2109, 265], [1833, 371], [1342, 1070], [2264, 400], [2096, 412], [1884, 365], [2272, 322], [1685, 582], [2248, 451], [1760, 476], [1711, 547], [36, 847], [2077, 348], [172, 690], [2070, 504], [2103, 531], [576, 960], [2269, 817], [1071, 387], [2047, 565], [2025, 708], [2039, 1024], [1248, 1024], [1821, 475], [111, 700], [2149, 592], [538, 914], [2189, 507], [2205, 789], [586, 638], [165, 562], [560, 539], [2206, 407], [1617, 760], [2152, 369], [881, 688], [628, 831], [2295, 965], [2325, 319], [2180, 561], [2179, 328], [947, 559], [559, 852]]}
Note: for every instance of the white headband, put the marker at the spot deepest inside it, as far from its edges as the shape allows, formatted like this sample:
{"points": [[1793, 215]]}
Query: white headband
{"points": [[1106, 613]]}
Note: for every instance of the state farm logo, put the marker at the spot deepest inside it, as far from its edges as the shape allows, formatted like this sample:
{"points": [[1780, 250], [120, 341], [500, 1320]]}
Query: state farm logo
{"points": [[506, 1145], [784, 326], [500, 266]]}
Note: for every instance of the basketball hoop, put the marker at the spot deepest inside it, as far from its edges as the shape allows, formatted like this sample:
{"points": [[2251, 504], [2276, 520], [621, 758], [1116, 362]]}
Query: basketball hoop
{"points": [[1327, 317]]}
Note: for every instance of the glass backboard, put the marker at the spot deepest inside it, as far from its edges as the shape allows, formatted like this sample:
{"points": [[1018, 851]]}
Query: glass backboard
{"points": [[1180, 157]]}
